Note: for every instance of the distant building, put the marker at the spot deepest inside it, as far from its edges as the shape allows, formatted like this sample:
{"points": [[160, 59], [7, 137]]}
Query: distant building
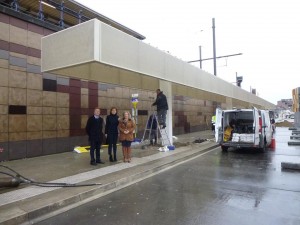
{"points": [[296, 95], [285, 104]]}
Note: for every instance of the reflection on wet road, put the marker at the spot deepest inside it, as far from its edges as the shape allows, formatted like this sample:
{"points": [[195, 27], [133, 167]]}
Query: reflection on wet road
{"points": [[238, 187]]}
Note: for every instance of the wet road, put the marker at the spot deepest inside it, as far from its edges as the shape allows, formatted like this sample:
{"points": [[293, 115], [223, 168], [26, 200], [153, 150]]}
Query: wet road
{"points": [[238, 187]]}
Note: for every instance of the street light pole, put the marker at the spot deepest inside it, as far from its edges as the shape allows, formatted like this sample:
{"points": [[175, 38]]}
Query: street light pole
{"points": [[214, 47], [239, 80]]}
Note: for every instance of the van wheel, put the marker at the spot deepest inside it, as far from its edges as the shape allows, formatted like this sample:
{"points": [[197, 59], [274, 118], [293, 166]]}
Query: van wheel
{"points": [[263, 149], [224, 148]]}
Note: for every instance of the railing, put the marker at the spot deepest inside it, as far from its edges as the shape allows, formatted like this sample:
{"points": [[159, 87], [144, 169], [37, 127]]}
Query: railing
{"points": [[14, 4]]}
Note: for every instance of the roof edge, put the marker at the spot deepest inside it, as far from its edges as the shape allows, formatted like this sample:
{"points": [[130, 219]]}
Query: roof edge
{"points": [[112, 22]]}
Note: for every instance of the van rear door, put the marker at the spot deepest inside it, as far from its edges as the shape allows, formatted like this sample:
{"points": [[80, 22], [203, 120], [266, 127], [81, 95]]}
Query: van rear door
{"points": [[267, 128], [218, 125], [256, 126]]}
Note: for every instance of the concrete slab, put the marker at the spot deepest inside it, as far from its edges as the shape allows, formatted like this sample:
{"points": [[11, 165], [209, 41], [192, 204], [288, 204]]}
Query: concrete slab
{"points": [[293, 142], [290, 165], [293, 128], [295, 137], [294, 132]]}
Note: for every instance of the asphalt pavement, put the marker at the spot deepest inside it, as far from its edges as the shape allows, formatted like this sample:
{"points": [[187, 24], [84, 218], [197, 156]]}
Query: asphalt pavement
{"points": [[215, 188]]}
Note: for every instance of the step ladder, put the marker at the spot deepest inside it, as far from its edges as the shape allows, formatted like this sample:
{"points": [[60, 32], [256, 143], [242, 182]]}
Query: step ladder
{"points": [[153, 120]]}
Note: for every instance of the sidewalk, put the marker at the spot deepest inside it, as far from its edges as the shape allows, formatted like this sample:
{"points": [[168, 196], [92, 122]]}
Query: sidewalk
{"points": [[27, 204]]}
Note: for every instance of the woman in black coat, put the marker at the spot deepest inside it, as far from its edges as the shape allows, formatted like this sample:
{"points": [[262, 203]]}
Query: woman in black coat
{"points": [[111, 133]]}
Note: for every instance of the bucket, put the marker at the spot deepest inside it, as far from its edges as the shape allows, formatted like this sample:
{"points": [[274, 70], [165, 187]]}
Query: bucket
{"points": [[171, 147], [273, 144], [137, 140]]}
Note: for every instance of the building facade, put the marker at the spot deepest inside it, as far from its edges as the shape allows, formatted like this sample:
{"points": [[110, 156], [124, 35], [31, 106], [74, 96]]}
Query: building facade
{"points": [[285, 104], [45, 113], [296, 103]]}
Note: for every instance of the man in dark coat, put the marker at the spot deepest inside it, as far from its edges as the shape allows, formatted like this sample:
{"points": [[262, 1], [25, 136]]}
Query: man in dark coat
{"points": [[162, 107], [93, 128]]}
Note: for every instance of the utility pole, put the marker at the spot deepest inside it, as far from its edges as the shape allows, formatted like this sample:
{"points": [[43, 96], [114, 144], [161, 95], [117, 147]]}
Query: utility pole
{"points": [[214, 52], [214, 47], [200, 54]]}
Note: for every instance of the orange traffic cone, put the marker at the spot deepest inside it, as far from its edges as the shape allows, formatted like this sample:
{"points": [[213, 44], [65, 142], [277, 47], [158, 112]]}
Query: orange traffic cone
{"points": [[273, 144]]}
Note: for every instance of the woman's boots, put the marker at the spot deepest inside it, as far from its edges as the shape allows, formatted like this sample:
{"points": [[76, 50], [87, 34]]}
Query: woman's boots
{"points": [[113, 153], [126, 154], [129, 154]]}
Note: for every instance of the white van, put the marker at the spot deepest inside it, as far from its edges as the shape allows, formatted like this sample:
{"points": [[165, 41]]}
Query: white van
{"points": [[243, 128]]}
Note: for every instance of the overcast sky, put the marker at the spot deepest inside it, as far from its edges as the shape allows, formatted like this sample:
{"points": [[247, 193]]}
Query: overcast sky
{"points": [[267, 32]]}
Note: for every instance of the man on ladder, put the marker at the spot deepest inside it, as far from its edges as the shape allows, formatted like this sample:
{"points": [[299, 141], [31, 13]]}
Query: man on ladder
{"points": [[152, 127], [162, 107]]}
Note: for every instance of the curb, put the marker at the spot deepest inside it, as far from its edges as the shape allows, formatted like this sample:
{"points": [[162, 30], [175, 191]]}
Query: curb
{"points": [[41, 207]]}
